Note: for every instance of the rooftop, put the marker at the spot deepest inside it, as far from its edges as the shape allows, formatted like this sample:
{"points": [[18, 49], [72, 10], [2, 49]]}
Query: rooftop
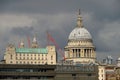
{"points": [[31, 50]]}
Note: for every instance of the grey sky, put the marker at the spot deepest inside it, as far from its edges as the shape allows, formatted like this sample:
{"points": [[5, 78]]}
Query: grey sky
{"points": [[22, 18]]}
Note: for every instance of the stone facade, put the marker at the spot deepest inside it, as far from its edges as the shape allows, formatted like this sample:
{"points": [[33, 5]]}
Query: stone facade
{"points": [[80, 47], [101, 72], [48, 72], [33, 55]]}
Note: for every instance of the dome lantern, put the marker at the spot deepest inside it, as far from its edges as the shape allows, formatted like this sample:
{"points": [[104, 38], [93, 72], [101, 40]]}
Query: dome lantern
{"points": [[80, 33], [79, 20]]}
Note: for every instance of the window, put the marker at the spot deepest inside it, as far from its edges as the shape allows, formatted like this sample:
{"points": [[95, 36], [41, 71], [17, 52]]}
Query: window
{"points": [[10, 56], [45, 62], [16, 58], [51, 57], [73, 74], [102, 75], [102, 71], [10, 61], [51, 62]]}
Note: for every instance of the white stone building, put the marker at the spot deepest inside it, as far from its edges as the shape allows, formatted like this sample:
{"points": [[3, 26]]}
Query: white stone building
{"points": [[101, 72], [80, 47], [33, 55]]}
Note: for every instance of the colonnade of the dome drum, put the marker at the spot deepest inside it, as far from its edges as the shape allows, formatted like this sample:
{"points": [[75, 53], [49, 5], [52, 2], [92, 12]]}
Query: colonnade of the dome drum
{"points": [[80, 53]]}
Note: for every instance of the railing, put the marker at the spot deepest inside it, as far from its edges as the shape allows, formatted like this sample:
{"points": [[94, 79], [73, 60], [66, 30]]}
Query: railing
{"points": [[28, 73]]}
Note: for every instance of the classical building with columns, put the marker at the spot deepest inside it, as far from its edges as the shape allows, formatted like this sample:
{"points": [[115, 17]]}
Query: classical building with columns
{"points": [[32, 55], [80, 46], [79, 49]]}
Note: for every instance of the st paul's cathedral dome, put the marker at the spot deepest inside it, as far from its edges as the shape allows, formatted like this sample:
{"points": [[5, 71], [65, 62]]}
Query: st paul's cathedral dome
{"points": [[80, 47]]}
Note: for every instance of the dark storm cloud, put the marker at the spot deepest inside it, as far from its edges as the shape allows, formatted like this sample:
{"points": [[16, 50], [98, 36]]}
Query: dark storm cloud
{"points": [[103, 9], [22, 31]]}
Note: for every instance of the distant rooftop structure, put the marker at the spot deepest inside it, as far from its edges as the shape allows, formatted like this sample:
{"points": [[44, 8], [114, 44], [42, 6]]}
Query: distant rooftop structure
{"points": [[108, 60], [118, 62]]}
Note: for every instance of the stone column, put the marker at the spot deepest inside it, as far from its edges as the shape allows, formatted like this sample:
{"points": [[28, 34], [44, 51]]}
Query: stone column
{"points": [[77, 52], [74, 53], [91, 53], [88, 52]]}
